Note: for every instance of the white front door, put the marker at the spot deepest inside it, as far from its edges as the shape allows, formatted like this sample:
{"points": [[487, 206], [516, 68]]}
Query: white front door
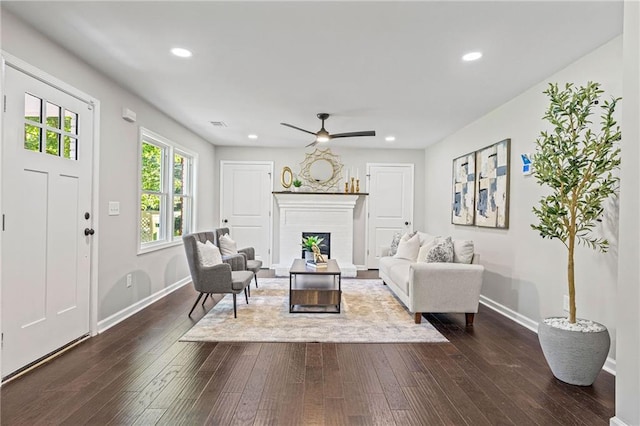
{"points": [[46, 193], [390, 206], [245, 205]]}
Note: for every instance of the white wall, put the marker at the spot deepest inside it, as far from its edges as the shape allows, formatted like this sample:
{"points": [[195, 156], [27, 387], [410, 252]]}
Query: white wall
{"points": [[525, 273], [350, 157], [117, 235], [628, 301]]}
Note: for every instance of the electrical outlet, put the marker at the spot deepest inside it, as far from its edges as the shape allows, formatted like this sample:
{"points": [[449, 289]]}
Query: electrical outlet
{"points": [[129, 280], [565, 303]]}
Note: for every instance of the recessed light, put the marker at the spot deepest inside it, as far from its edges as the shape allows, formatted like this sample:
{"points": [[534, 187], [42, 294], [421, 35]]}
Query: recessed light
{"points": [[472, 56], [252, 136], [180, 52], [390, 138]]}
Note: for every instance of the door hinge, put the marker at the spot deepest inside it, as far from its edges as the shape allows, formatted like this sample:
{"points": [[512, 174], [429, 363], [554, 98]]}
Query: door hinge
{"points": [[5, 103], [2, 341], [3, 221]]}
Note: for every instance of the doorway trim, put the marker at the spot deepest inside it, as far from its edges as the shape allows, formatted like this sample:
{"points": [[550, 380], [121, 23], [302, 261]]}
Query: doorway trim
{"points": [[20, 65]]}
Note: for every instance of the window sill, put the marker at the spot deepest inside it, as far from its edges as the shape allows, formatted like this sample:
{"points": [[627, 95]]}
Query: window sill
{"points": [[149, 248]]}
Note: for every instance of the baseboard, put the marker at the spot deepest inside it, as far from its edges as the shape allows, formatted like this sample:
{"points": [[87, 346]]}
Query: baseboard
{"points": [[118, 317], [510, 313], [609, 364], [362, 267], [614, 421]]}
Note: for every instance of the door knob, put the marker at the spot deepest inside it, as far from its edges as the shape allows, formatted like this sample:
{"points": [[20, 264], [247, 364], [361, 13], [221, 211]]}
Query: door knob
{"points": [[88, 231], [406, 223], [225, 221]]}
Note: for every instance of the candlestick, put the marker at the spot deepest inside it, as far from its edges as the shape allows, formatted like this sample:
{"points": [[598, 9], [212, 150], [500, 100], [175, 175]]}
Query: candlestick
{"points": [[357, 185], [353, 187], [346, 186]]}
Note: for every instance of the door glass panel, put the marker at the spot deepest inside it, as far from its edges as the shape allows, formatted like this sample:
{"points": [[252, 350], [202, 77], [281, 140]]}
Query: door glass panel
{"points": [[151, 167], [70, 122], [53, 115], [53, 143], [32, 137], [150, 218], [179, 174], [32, 108], [69, 147]]}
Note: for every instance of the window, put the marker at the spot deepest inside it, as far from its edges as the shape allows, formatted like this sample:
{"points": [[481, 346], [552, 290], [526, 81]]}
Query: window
{"points": [[59, 128], [166, 192]]}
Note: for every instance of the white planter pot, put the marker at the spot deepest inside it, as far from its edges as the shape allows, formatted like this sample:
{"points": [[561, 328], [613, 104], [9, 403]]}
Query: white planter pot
{"points": [[575, 357], [308, 255]]}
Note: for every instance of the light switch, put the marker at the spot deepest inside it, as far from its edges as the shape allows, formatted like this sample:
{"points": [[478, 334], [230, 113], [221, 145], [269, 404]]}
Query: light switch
{"points": [[114, 208]]}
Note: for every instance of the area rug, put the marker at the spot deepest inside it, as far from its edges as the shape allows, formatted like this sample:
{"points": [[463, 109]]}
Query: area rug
{"points": [[369, 314]]}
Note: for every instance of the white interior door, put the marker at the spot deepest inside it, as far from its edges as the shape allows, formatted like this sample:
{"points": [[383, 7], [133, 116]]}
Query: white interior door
{"points": [[46, 193], [390, 206], [245, 205]]}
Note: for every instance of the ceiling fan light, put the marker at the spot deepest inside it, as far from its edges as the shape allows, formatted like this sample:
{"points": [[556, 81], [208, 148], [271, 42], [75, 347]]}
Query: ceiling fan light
{"points": [[322, 136]]}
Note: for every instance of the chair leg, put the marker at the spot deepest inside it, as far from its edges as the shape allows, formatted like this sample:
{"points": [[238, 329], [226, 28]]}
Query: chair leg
{"points": [[255, 276], [194, 305], [248, 289], [235, 314], [245, 295], [205, 299], [418, 317]]}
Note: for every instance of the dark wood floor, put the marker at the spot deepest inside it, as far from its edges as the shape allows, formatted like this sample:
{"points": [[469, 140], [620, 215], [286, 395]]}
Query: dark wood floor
{"points": [[138, 373]]}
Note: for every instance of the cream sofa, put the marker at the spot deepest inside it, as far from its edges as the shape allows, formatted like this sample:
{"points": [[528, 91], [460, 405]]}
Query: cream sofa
{"points": [[434, 287]]}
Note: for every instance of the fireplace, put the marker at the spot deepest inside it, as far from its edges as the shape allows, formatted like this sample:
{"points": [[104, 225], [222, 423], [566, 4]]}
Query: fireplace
{"points": [[325, 246], [325, 213]]}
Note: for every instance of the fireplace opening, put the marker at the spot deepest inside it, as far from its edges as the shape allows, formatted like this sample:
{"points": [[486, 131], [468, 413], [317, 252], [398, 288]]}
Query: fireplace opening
{"points": [[325, 246]]}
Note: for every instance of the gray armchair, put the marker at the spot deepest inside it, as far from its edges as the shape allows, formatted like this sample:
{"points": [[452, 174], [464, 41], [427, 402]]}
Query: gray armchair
{"points": [[217, 279], [249, 253]]}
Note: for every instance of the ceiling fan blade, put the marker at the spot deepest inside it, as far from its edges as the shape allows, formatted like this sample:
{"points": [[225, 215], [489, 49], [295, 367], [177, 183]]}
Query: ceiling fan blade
{"points": [[314, 143], [352, 134], [298, 128]]}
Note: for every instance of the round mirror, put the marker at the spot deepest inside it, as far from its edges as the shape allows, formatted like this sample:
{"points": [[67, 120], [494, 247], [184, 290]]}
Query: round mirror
{"points": [[321, 170]]}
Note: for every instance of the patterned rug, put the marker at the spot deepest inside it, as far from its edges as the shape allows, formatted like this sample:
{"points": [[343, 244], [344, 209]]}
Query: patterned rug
{"points": [[369, 314]]}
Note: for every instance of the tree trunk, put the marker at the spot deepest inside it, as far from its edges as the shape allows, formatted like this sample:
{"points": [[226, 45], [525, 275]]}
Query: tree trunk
{"points": [[571, 280]]}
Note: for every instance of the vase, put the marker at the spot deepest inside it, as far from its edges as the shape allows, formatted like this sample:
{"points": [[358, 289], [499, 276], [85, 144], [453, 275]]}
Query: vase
{"points": [[575, 357], [308, 256]]}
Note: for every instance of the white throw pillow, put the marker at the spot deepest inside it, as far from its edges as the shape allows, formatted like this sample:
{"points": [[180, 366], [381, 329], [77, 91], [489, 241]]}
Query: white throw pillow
{"points": [[408, 248], [422, 254], [227, 245], [209, 254], [441, 251], [425, 238], [462, 251]]}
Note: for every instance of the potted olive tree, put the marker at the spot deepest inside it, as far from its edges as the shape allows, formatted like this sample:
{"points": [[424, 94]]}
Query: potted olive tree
{"points": [[575, 160]]}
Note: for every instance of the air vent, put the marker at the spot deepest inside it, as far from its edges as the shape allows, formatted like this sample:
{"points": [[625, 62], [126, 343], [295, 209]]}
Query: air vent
{"points": [[219, 124]]}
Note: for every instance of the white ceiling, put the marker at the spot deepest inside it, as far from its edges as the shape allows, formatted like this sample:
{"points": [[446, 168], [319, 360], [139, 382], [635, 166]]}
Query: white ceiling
{"points": [[394, 67]]}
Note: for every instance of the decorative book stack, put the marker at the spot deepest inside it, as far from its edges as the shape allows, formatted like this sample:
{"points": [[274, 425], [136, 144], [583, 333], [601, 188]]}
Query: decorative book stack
{"points": [[316, 265]]}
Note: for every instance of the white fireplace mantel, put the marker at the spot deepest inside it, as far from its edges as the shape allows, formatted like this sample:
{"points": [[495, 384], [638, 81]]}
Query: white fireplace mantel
{"points": [[316, 212]]}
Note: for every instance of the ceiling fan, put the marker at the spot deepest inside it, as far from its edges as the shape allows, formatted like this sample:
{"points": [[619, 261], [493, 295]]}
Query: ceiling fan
{"points": [[323, 136]]}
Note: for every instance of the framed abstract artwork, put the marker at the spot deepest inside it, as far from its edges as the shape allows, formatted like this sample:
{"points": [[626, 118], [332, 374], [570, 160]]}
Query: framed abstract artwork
{"points": [[492, 185], [464, 178]]}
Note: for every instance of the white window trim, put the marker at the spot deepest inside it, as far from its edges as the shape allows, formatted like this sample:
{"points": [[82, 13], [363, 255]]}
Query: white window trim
{"points": [[171, 148]]}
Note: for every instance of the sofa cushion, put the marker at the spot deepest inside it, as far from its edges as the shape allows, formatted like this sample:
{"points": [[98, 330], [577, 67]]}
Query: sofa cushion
{"points": [[441, 251], [462, 251], [408, 247], [397, 270]]}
